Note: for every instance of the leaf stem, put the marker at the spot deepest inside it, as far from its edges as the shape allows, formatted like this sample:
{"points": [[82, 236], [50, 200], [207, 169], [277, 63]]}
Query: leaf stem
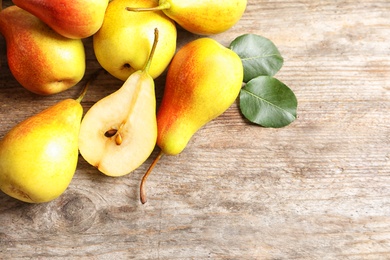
{"points": [[145, 177]]}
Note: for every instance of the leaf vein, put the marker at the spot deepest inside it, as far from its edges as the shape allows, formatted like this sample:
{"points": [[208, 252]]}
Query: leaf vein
{"points": [[259, 57], [266, 101]]}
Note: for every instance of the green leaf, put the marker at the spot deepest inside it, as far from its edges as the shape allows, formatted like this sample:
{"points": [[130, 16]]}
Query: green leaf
{"points": [[260, 57], [268, 102]]}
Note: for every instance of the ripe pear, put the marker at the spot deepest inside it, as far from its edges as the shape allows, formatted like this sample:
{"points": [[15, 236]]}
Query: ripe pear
{"points": [[123, 43], [74, 19], [118, 133], [38, 156], [203, 80], [203, 17], [40, 59]]}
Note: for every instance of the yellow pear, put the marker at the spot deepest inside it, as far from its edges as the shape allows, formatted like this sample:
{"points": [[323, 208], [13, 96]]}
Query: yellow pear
{"points": [[123, 43], [118, 133], [203, 80], [40, 59], [74, 19], [38, 156], [204, 17]]}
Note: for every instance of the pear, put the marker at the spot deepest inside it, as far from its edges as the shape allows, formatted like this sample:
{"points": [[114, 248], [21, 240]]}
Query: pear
{"points": [[40, 59], [123, 43], [74, 19], [118, 133], [203, 81], [38, 156], [203, 17]]}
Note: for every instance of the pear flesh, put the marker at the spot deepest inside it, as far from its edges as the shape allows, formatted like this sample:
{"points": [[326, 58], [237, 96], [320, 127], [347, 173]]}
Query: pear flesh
{"points": [[38, 157], [119, 132]]}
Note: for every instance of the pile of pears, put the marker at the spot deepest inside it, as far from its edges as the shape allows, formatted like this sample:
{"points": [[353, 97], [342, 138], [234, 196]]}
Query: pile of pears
{"points": [[135, 41]]}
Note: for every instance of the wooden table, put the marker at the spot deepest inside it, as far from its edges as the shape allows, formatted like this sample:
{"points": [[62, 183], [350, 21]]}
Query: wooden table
{"points": [[316, 189]]}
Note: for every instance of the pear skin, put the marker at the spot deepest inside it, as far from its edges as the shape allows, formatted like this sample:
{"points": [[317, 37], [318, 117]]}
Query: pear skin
{"points": [[38, 157], [40, 59], [203, 80], [203, 17], [123, 43], [118, 133], [74, 19]]}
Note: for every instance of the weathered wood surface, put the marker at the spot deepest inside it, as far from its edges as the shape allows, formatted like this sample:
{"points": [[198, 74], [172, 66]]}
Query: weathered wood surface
{"points": [[317, 189]]}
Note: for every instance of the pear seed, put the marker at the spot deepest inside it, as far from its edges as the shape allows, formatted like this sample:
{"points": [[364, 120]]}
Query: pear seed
{"points": [[118, 139], [110, 133]]}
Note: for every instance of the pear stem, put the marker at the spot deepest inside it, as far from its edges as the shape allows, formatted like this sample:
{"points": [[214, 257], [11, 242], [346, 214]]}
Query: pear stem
{"points": [[163, 6], [85, 88], [147, 65], [83, 92], [146, 175]]}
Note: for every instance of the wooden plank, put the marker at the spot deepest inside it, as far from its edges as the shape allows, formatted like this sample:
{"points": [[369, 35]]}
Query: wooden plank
{"points": [[317, 189]]}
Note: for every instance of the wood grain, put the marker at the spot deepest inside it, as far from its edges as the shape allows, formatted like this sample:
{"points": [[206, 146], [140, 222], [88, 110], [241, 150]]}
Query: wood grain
{"points": [[317, 189]]}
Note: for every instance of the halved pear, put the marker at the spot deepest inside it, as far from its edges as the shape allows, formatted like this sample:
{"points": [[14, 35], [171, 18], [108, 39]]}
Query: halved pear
{"points": [[119, 132]]}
